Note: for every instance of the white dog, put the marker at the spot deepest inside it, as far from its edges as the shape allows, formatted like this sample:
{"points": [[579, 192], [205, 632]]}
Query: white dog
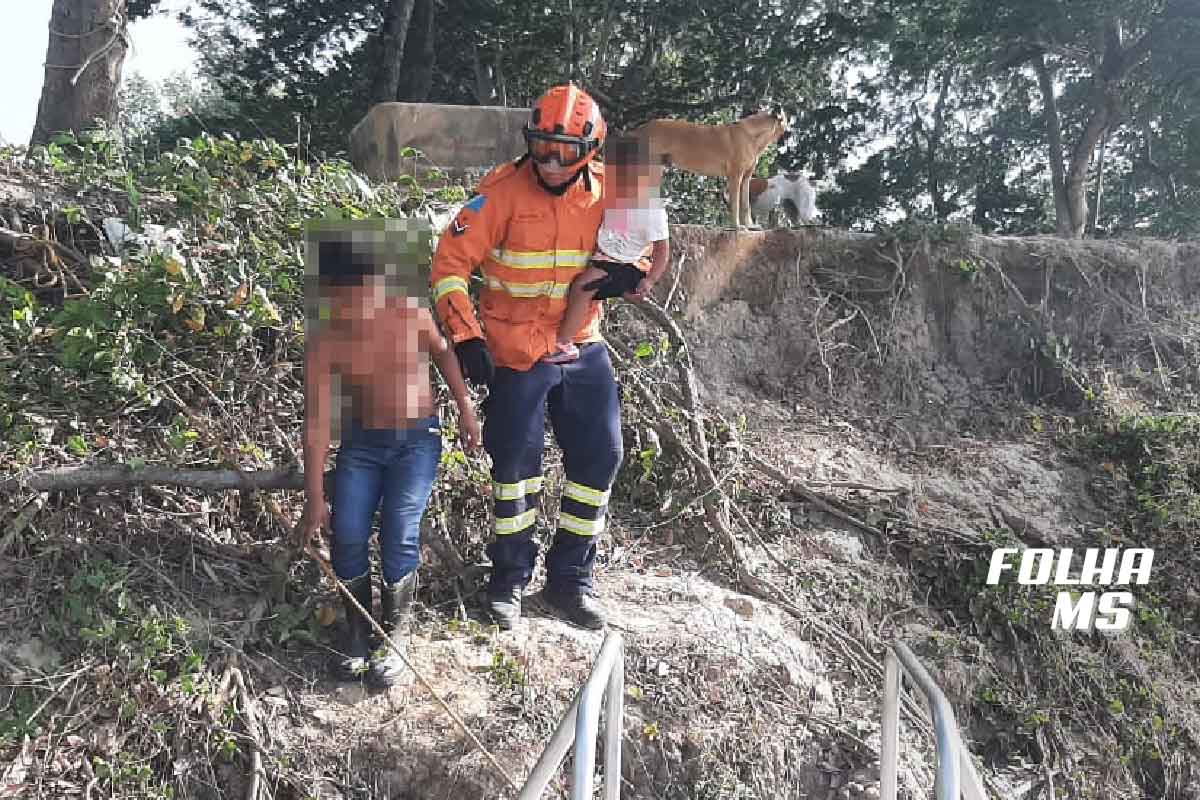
{"points": [[788, 189]]}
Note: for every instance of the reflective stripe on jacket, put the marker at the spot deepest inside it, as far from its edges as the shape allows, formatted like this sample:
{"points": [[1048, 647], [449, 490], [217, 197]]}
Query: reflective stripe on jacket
{"points": [[529, 244]]}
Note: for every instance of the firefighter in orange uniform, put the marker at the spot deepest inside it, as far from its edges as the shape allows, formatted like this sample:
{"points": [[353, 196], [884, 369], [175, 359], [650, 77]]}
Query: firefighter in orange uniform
{"points": [[530, 229]]}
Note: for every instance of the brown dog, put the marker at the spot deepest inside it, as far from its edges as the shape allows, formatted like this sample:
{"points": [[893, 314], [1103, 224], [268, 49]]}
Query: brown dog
{"points": [[720, 151]]}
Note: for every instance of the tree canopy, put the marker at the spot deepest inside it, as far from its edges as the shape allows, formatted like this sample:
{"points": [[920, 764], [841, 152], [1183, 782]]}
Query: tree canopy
{"points": [[1019, 116]]}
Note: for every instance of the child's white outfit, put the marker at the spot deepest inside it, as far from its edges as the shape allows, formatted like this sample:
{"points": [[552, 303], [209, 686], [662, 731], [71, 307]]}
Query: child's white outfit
{"points": [[623, 242], [626, 234]]}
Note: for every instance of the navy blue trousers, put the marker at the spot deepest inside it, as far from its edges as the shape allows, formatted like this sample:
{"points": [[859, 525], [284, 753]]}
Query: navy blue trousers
{"points": [[584, 410]]}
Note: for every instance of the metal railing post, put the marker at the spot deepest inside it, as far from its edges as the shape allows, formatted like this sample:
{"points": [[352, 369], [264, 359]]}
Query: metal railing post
{"points": [[614, 716], [552, 757], [956, 775], [945, 728], [889, 734], [972, 786], [587, 720], [605, 687]]}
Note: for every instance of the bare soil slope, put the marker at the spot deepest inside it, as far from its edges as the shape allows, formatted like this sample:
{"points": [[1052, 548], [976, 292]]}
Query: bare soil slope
{"points": [[935, 394]]}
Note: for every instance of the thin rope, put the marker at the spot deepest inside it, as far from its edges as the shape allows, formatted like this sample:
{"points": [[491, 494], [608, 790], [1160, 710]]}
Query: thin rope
{"points": [[116, 24], [328, 570], [94, 30]]}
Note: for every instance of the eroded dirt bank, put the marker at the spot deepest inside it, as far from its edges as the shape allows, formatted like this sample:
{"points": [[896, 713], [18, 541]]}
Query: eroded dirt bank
{"points": [[943, 391], [980, 373]]}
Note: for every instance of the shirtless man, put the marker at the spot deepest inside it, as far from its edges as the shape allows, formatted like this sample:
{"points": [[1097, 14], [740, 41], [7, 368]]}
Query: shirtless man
{"points": [[391, 446]]}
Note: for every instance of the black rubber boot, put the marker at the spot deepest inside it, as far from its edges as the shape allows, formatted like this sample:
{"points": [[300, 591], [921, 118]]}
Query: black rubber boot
{"points": [[396, 602], [580, 609], [505, 607], [351, 659]]}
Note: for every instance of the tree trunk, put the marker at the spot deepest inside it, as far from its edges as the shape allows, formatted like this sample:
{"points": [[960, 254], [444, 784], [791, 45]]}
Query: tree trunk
{"points": [[485, 86], [606, 31], [83, 66], [632, 82], [1163, 173], [501, 80], [1099, 193], [573, 36], [1062, 209], [1105, 112], [392, 35], [941, 207], [1070, 190], [1104, 115], [73, 479], [416, 74]]}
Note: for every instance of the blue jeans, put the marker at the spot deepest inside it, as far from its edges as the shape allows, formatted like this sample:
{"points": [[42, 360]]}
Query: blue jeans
{"points": [[397, 467]]}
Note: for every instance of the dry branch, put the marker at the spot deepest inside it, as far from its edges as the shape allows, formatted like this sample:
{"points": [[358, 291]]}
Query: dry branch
{"points": [[255, 732], [22, 520], [797, 488], [69, 478], [16, 239]]}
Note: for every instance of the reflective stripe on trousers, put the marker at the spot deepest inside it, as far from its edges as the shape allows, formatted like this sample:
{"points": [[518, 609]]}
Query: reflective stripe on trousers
{"points": [[584, 411]]}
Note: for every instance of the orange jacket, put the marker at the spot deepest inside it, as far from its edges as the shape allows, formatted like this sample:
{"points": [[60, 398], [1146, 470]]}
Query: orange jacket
{"points": [[530, 245]]}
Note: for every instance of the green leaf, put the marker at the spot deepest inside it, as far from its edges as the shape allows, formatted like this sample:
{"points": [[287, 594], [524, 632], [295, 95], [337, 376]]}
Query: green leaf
{"points": [[78, 445]]}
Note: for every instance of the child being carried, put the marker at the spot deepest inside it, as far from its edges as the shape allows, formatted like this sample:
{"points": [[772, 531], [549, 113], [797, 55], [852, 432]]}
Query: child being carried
{"points": [[634, 228]]}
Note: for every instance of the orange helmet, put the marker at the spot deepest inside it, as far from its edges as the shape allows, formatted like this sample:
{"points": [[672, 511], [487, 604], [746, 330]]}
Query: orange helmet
{"points": [[566, 125]]}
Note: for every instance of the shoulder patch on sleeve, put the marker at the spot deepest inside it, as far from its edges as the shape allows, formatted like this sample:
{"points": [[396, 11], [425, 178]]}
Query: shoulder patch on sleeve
{"points": [[475, 203]]}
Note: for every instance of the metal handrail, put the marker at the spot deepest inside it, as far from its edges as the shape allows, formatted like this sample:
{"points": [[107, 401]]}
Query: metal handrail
{"points": [[956, 775], [580, 725]]}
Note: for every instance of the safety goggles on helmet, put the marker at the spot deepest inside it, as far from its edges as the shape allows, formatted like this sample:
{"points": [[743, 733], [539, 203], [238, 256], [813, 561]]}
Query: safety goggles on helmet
{"points": [[566, 150]]}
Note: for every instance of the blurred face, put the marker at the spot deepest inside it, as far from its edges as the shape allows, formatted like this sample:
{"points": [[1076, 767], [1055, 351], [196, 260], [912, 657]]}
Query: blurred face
{"points": [[636, 182], [358, 302]]}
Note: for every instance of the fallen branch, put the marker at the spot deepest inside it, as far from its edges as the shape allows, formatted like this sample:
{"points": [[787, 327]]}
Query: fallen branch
{"points": [[863, 487], [11, 237], [57, 691], [675, 283], [69, 478], [797, 488], [900, 277], [253, 729], [687, 377], [821, 344], [662, 425]]}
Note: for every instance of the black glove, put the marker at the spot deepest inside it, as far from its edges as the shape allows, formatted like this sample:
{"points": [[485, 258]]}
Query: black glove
{"points": [[476, 361]]}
